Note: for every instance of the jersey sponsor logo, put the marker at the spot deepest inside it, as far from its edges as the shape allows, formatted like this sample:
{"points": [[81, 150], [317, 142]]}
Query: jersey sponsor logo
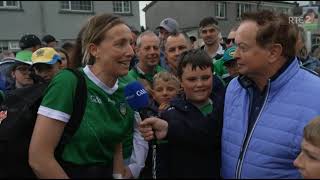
{"points": [[123, 108], [95, 99]]}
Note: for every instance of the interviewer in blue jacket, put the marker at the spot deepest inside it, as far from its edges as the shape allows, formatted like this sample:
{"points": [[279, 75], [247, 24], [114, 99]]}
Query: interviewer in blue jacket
{"points": [[192, 125], [268, 105]]}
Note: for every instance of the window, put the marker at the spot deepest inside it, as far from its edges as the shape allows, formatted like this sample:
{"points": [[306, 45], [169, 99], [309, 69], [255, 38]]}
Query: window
{"points": [[121, 7], [283, 10], [3, 45], [10, 4], [242, 8], [77, 5], [220, 10], [14, 45]]}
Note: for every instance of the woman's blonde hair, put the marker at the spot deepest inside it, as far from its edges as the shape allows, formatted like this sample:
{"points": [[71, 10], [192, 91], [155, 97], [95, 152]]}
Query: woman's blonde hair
{"points": [[93, 32]]}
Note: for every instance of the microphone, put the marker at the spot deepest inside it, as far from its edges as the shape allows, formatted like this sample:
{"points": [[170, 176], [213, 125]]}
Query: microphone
{"points": [[138, 99]]}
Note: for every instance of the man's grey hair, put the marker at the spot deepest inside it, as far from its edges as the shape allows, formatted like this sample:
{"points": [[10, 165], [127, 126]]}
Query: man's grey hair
{"points": [[145, 33]]}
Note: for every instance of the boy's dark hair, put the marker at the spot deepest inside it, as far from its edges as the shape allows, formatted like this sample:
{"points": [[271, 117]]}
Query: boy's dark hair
{"points": [[194, 57], [68, 46], [208, 21]]}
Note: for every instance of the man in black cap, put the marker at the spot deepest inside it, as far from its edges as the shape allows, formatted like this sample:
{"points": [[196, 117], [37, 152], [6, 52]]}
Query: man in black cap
{"points": [[49, 41], [30, 42]]}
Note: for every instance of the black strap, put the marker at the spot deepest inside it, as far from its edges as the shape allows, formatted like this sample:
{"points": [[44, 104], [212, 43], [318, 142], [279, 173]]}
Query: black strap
{"points": [[79, 106]]}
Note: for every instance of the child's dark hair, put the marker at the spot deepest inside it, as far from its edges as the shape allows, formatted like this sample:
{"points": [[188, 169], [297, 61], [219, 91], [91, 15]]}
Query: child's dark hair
{"points": [[196, 58]]}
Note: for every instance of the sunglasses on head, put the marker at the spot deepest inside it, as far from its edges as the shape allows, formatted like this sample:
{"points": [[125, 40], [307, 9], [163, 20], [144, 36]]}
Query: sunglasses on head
{"points": [[228, 41]]}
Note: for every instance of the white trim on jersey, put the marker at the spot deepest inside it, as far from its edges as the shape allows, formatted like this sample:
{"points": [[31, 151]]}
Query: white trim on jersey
{"points": [[97, 81], [54, 114]]}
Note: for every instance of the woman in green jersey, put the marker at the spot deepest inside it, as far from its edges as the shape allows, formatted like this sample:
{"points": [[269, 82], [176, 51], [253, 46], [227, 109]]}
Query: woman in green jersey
{"points": [[103, 46]]}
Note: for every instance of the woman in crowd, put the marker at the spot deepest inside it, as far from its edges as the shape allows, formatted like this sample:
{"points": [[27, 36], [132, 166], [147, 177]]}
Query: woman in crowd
{"points": [[104, 46]]}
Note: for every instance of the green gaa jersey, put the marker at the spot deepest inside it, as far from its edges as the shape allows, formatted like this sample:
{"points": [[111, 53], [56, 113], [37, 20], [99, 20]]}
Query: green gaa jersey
{"points": [[106, 122], [136, 73]]}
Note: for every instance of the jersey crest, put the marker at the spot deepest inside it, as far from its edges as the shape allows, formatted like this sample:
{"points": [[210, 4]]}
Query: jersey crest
{"points": [[123, 108]]}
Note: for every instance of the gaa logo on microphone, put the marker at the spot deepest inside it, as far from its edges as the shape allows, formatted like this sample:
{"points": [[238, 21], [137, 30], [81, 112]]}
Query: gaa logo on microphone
{"points": [[141, 92]]}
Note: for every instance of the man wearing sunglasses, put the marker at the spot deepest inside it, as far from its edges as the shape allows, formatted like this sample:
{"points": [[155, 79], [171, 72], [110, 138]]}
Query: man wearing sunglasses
{"points": [[231, 36]]}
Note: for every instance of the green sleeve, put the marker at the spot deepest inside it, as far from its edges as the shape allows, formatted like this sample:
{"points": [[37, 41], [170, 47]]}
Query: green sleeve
{"points": [[59, 96], [126, 80], [132, 74], [219, 68]]}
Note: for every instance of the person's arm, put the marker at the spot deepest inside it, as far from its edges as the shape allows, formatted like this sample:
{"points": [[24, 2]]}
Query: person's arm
{"points": [[118, 165], [53, 114], [139, 153], [46, 136]]}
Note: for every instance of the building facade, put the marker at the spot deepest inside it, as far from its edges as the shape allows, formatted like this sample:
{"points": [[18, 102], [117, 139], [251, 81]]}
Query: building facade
{"points": [[62, 19], [189, 13]]}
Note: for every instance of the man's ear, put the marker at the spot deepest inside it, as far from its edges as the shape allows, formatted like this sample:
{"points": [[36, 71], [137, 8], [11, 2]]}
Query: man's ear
{"points": [[13, 75], [275, 52]]}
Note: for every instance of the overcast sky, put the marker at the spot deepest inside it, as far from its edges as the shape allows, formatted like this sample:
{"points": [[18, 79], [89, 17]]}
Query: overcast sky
{"points": [[143, 4]]}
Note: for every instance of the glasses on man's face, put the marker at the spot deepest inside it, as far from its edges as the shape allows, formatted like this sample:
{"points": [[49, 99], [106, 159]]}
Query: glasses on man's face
{"points": [[23, 69], [228, 41]]}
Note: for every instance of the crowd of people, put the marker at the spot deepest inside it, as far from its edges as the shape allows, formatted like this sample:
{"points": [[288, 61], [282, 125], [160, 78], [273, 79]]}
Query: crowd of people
{"points": [[244, 107]]}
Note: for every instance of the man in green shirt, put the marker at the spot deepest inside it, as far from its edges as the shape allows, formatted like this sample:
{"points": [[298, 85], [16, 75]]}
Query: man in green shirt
{"points": [[209, 31], [148, 53]]}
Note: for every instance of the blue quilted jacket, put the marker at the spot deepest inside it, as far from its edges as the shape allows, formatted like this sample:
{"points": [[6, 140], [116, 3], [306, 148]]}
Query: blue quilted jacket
{"points": [[292, 99]]}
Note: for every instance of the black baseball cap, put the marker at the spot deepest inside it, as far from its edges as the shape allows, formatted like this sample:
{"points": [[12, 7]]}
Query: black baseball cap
{"points": [[48, 39], [29, 40]]}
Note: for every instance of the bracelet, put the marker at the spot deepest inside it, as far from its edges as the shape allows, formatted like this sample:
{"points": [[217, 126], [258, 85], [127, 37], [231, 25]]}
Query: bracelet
{"points": [[117, 176]]}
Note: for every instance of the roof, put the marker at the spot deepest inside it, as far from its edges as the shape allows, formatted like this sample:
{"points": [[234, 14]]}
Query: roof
{"points": [[280, 2], [148, 6], [284, 2]]}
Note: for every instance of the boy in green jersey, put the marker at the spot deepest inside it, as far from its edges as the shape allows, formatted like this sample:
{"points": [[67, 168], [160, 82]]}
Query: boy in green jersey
{"points": [[192, 123]]}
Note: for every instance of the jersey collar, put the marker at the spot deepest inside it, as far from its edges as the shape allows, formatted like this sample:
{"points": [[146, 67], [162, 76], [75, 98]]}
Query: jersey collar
{"points": [[96, 81]]}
